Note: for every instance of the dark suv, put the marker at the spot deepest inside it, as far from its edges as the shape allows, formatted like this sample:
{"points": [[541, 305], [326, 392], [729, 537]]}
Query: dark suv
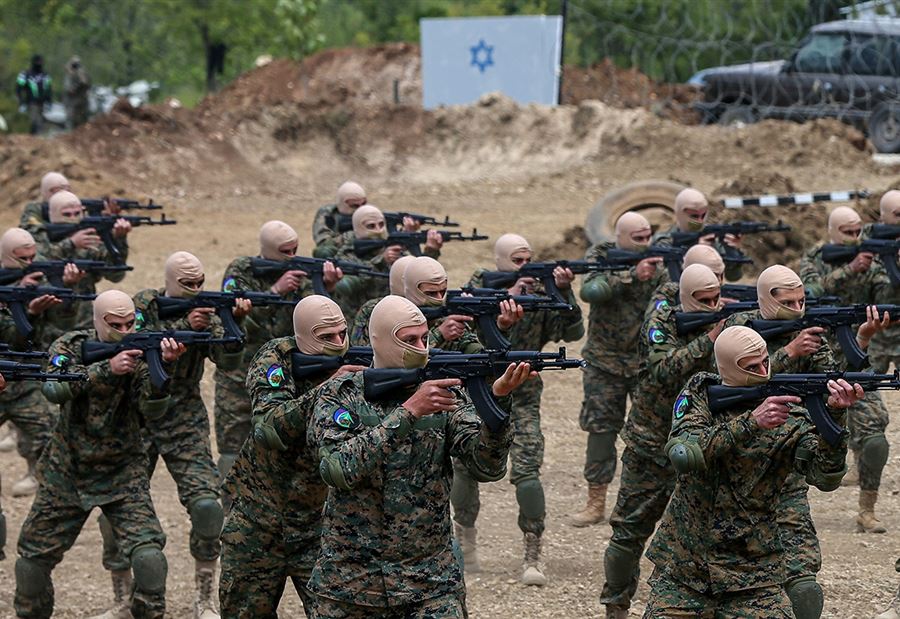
{"points": [[848, 70]]}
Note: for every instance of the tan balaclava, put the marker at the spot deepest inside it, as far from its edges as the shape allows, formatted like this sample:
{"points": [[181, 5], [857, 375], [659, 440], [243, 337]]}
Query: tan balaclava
{"points": [[890, 207], [390, 315], [842, 217], [365, 215], [696, 278], [59, 201], [349, 191], [628, 224], [111, 303], [775, 277], [312, 315], [506, 247], [707, 256], [13, 239], [272, 235], [423, 270], [689, 199], [733, 345], [395, 277], [51, 183], [182, 266]]}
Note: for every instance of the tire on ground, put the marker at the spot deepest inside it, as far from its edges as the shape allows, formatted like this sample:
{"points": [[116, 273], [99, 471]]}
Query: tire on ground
{"points": [[652, 199], [884, 128]]}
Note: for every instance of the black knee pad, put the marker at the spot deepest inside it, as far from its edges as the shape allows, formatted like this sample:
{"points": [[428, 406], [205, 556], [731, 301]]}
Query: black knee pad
{"points": [[619, 564], [32, 579], [207, 518], [530, 497], [148, 563], [874, 452], [806, 597]]}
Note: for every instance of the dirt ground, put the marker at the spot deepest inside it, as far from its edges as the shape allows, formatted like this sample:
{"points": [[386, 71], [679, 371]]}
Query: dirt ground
{"points": [[227, 167]]}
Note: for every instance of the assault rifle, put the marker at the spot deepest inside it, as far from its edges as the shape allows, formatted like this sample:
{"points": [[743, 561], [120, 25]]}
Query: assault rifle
{"points": [[103, 226], [6, 351], [812, 388], [738, 228], [473, 370], [17, 299], [304, 366], [688, 322], [747, 292], [885, 232], [543, 271], [149, 343], [314, 269], [672, 257], [53, 270], [222, 302], [885, 249], [394, 220], [412, 241], [838, 319], [15, 371], [95, 206]]}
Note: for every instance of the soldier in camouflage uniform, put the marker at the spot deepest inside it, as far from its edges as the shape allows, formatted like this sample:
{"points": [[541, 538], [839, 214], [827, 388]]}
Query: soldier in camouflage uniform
{"points": [[668, 359], [617, 302], [863, 280], [667, 293], [326, 236], [180, 433], [532, 332], [95, 458], [232, 413], [272, 530], [885, 346], [386, 548], [718, 550], [36, 215], [359, 331]]}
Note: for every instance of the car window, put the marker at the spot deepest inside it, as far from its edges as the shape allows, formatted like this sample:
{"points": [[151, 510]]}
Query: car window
{"points": [[872, 55], [823, 53]]}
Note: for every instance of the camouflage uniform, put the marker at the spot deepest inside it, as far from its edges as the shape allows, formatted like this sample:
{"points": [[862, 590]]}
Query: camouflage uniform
{"points": [[884, 348], [272, 530], [664, 296], [386, 541], [180, 433], [95, 458], [325, 234], [359, 328], [611, 352], [718, 548], [733, 271]]}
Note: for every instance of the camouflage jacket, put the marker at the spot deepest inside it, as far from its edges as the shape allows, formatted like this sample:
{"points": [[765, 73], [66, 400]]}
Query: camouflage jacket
{"points": [[48, 325], [325, 233], [822, 278], [719, 532], [616, 314], [887, 342], [733, 272], [386, 538], [666, 295]]}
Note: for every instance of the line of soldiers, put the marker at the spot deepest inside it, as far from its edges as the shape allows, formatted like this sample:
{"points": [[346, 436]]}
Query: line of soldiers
{"points": [[349, 495]]}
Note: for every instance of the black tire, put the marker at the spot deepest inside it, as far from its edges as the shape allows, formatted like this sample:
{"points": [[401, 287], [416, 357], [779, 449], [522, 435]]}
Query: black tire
{"points": [[654, 200], [738, 115], [884, 128]]}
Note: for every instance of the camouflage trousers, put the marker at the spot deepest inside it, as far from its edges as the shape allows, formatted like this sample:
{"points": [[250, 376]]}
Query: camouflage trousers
{"points": [[672, 600], [526, 458], [796, 531], [232, 411], [53, 525], [24, 405], [867, 418], [256, 563], [885, 349], [449, 606], [603, 414]]}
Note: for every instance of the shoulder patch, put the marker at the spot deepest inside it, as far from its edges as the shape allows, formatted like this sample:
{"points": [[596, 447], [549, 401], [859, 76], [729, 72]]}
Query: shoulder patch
{"points": [[344, 418], [656, 336], [229, 285], [681, 406], [661, 304], [275, 375], [138, 320], [59, 361]]}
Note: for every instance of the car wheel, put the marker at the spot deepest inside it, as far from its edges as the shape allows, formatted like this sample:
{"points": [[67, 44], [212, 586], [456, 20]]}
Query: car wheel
{"points": [[738, 115], [884, 128], [654, 200]]}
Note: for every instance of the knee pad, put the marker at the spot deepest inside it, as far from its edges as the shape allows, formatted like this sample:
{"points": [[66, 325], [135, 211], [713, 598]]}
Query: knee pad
{"points": [[619, 563], [601, 446], [530, 497], [32, 578], [807, 599], [207, 518], [148, 563], [874, 452]]}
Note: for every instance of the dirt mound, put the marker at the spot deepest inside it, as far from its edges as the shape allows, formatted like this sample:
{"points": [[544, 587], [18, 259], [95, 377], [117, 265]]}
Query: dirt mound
{"points": [[572, 246]]}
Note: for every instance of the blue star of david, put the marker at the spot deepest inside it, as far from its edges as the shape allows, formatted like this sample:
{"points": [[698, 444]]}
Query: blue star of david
{"points": [[482, 55]]}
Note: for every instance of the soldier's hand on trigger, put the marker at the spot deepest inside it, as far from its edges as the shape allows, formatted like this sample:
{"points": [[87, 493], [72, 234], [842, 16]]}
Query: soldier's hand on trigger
{"points": [[871, 326], [411, 225], [715, 331], [288, 282], [199, 318], [121, 228], [331, 275], [453, 327], [31, 279], [242, 307], [510, 313], [513, 377], [733, 240], [523, 285], [42, 303], [434, 240], [773, 411], [563, 278], [862, 262], [124, 362], [170, 350], [344, 370], [72, 275], [85, 239], [843, 394], [392, 253], [432, 396], [807, 342], [646, 268]]}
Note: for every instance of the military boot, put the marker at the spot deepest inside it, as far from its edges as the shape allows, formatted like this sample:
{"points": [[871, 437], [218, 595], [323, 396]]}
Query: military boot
{"points": [[593, 511], [866, 522], [28, 485], [616, 612], [465, 536], [533, 571], [205, 605], [121, 608]]}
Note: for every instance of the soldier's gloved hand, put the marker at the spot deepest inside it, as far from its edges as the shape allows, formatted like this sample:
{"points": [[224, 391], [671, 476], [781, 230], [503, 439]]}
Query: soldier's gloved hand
{"points": [[871, 326], [170, 350], [510, 313], [453, 327], [85, 239], [807, 342], [646, 268], [242, 308], [200, 317], [124, 362], [42, 303], [72, 275], [347, 369], [432, 396], [773, 411], [288, 282], [843, 394], [513, 378], [331, 275], [862, 262]]}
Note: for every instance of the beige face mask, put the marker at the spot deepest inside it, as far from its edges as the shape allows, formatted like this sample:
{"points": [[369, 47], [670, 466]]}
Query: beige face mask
{"points": [[313, 315], [627, 226], [421, 271], [12, 240], [733, 345], [707, 256], [697, 278], [890, 207], [182, 266], [349, 191], [61, 200], [839, 219], [395, 277], [365, 216], [51, 183], [689, 199], [777, 277], [390, 315], [272, 236], [506, 247], [112, 303]]}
